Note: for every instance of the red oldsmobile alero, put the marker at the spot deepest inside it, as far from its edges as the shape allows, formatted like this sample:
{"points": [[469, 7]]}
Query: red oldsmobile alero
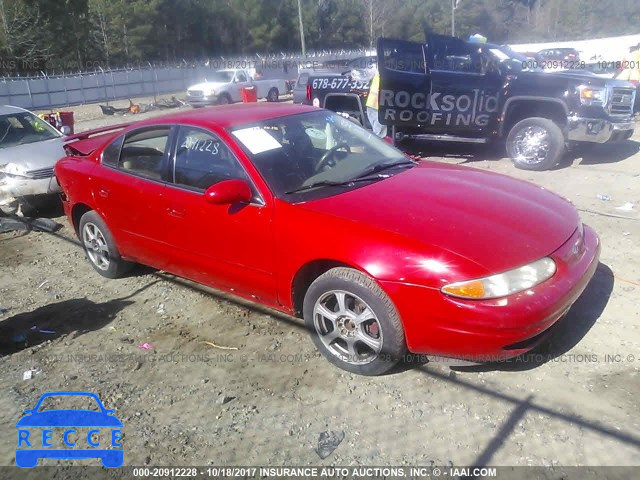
{"points": [[302, 210]]}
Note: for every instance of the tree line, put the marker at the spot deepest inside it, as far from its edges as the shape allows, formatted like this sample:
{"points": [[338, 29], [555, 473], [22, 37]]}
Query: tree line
{"points": [[80, 34]]}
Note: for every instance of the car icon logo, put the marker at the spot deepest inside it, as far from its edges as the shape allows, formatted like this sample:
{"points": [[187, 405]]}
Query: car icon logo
{"points": [[80, 433]]}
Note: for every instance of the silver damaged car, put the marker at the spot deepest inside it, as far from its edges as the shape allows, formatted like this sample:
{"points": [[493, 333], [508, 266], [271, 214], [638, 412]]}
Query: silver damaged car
{"points": [[29, 149]]}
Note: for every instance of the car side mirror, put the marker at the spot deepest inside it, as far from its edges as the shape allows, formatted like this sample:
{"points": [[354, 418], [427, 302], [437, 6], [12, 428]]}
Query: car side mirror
{"points": [[65, 130], [228, 192]]}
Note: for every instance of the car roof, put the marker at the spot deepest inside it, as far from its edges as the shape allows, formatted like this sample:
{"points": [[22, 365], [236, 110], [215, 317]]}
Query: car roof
{"points": [[9, 109], [229, 116]]}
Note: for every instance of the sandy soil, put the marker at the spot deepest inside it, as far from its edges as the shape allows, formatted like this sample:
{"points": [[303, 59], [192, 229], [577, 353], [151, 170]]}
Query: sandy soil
{"points": [[572, 402]]}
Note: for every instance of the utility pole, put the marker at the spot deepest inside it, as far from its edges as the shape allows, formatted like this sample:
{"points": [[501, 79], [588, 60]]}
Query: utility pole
{"points": [[454, 5], [304, 50]]}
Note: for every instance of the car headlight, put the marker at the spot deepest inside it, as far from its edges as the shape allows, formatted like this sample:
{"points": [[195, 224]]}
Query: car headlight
{"points": [[592, 95], [211, 92], [503, 284]]}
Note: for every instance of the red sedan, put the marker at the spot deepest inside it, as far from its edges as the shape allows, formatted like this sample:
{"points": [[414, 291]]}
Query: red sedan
{"points": [[302, 210]]}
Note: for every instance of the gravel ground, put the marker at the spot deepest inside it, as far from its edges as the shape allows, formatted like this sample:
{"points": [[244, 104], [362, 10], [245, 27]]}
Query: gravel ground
{"points": [[267, 396]]}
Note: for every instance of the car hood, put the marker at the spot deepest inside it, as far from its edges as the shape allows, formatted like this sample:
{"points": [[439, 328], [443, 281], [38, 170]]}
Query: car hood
{"points": [[69, 418], [207, 86], [33, 156], [492, 220]]}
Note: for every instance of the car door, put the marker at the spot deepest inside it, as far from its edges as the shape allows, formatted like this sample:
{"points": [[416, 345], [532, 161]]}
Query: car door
{"points": [[465, 87], [228, 246], [405, 83], [240, 81], [129, 189]]}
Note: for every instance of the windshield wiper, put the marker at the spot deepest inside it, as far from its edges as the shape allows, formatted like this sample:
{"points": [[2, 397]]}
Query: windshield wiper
{"points": [[379, 167], [329, 183]]}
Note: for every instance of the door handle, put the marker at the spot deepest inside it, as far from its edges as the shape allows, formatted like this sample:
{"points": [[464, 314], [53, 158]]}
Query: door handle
{"points": [[175, 213], [104, 193]]}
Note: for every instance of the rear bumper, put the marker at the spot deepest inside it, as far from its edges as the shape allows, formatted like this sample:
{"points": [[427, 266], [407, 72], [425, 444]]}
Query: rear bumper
{"points": [[491, 330], [597, 130]]}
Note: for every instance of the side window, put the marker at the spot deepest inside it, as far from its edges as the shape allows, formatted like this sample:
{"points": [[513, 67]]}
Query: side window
{"points": [[111, 154], [203, 160], [458, 57], [241, 77], [143, 152]]}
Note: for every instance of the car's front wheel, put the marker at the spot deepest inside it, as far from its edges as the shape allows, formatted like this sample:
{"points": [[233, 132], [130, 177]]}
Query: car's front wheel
{"points": [[353, 322], [100, 248]]}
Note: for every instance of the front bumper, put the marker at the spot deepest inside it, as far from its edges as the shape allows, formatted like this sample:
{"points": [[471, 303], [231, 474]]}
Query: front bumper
{"points": [[492, 330], [14, 187], [202, 101], [597, 130]]}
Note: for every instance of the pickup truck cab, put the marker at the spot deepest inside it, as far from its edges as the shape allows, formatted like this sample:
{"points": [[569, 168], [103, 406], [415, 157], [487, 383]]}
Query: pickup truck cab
{"points": [[225, 86]]}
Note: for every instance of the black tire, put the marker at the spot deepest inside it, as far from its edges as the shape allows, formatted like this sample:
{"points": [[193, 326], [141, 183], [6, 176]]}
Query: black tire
{"points": [[115, 266], [384, 329], [273, 95], [224, 99], [542, 157]]}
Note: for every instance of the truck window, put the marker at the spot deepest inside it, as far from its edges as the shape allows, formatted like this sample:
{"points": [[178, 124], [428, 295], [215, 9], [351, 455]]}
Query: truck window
{"points": [[409, 58], [241, 77], [457, 57]]}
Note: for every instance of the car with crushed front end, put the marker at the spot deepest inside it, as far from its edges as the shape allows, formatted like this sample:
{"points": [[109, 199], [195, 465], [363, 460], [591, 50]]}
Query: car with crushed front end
{"points": [[302, 210], [29, 149]]}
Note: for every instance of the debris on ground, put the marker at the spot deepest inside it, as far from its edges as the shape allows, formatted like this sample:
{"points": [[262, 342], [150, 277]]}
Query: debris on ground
{"points": [[604, 198], [145, 346], [224, 399], [627, 207], [328, 442], [221, 347]]}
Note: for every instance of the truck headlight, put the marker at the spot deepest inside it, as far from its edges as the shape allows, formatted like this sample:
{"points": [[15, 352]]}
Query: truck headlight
{"points": [[503, 284], [592, 95]]}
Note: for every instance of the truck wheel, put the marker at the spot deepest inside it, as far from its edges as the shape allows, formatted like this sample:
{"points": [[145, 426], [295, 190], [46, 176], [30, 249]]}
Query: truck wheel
{"points": [[224, 99], [535, 144], [353, 322], [273, 95]]}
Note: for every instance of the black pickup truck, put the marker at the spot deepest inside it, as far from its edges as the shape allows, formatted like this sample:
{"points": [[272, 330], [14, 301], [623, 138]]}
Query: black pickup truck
{"points": [[447, 89]]}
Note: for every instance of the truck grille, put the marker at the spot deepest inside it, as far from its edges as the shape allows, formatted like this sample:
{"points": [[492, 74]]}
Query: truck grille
{"points": [[40, 173], [194, 93], [621, 101]]}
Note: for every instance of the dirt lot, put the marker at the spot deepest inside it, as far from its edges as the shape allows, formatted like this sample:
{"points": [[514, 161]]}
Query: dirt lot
{"points": [[574, 401]]}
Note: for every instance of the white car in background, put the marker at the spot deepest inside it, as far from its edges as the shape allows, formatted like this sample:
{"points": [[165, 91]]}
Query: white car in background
{"points": [[225, 86], [29, 149]]}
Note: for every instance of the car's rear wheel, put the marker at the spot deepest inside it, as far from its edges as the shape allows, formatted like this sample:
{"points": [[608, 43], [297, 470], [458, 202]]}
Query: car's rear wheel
{"points": [[273, 95], [535, 143], [100, 248], [353, 322]]}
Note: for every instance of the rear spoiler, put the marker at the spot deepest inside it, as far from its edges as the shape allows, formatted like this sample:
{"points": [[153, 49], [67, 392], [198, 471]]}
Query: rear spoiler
{"points": [[85, 143]]}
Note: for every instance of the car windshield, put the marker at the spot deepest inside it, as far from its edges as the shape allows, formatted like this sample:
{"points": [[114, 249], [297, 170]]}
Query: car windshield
{"points": [[222, 76], [24, 127], [307, 155]]}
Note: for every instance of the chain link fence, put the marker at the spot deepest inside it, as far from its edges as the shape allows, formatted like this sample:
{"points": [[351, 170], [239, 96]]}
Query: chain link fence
{"points": [[103, 85]]}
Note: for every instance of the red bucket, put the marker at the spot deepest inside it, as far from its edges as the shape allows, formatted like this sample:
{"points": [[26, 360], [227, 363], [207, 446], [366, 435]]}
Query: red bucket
{"points": [[249, 94]]}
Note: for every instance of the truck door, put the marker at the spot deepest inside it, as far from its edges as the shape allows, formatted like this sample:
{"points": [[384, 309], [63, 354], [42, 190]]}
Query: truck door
{"points": [[465, 88], [405, 83], [240, 81]]}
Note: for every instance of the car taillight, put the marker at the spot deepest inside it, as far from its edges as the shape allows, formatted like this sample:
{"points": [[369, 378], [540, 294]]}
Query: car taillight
{"points": [[308, 92]]}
